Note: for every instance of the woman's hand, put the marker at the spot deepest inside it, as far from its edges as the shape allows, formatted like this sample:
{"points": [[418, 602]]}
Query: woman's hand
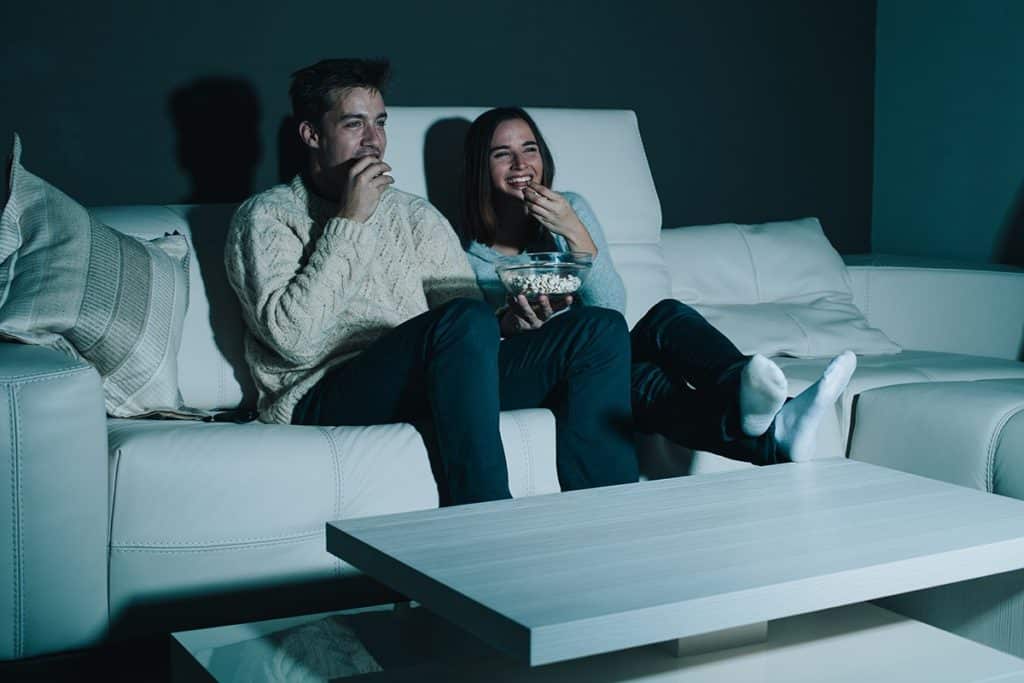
{"points": [[553, 212], [521, 316]]}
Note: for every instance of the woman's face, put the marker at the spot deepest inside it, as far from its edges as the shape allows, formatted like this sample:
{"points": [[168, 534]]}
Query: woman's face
{"points": [[515, 158]]}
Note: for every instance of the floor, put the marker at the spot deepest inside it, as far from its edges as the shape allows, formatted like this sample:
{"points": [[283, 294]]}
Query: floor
{"points": [[141, 660]]}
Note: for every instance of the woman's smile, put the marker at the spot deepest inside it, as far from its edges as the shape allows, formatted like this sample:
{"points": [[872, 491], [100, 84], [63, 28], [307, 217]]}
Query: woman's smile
{"points": [[519, 181]]}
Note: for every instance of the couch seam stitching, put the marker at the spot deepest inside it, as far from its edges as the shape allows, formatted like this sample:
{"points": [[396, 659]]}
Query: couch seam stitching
{"points": [[807, 337], [110, 524], [753, 266], [220, 383], [528, 438], [21, 524], [19, 380], [145, 543], [867, 297], [338, 485], [524, 436], [16, 633], [214, 547], [993, 446]]}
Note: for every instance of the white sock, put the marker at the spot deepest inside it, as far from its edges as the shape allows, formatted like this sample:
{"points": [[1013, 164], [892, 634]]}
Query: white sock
{"points": [[762, 393], [796, 425]]}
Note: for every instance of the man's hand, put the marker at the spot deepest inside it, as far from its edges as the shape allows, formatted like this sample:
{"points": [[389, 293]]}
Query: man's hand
{"points": [[367, 180], [521, 316]]}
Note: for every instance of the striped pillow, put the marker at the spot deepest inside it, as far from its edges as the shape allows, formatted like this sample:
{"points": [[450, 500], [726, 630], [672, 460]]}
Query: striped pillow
{"points": [[72, 283]]}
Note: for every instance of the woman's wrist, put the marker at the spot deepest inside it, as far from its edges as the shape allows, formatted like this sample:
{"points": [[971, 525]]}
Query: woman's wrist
{"points": [[580, 240]]}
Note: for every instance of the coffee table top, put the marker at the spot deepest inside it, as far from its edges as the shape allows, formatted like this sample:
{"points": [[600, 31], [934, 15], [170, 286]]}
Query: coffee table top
{"points": [[561, 576]]}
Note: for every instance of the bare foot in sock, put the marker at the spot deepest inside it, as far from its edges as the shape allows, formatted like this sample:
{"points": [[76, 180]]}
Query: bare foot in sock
{"points": [[796, 425], [762, 393]]}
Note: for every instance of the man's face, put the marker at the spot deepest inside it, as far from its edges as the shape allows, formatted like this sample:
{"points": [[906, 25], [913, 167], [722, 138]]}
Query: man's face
{"points": [[353, 128]]}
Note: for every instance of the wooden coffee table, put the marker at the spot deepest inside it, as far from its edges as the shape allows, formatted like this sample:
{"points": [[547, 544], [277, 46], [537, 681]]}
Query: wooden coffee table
{"points": [[558, 577]]}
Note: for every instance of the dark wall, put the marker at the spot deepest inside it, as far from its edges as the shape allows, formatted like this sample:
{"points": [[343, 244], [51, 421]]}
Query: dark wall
{"points": [[750, 110], [949, 155]]}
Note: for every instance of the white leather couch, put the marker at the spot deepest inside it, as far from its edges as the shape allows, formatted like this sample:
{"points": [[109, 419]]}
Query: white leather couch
{"points": [[115, 526]]}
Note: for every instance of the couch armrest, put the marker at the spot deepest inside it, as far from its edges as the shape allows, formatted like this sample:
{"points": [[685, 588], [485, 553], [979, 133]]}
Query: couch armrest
{"points": [[957, 310], [53, 503]]}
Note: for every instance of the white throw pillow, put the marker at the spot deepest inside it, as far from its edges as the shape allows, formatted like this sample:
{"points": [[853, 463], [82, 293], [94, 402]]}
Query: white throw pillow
{"points": [[72, 283], [777, 288]]}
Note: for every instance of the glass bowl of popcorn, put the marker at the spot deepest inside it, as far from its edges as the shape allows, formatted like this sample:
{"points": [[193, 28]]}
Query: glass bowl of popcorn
{"points": [[556, 274]]}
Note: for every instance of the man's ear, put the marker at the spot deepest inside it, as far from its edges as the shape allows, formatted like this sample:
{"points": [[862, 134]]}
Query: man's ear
{"points": [[309, 134]]}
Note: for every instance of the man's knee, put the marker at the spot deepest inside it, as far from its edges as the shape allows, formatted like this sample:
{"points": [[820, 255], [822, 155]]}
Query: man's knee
{"points": [[662, 313], [670, 308]]}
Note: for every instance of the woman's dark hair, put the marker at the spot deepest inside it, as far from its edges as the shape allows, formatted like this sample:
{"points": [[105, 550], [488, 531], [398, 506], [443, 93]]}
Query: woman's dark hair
{"points": [[479, 221], [314, 88]]}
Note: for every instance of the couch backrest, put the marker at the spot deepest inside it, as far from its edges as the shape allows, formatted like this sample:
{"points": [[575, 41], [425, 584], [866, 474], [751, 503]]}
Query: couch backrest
{"points": [[975, 310], [598, 153]]}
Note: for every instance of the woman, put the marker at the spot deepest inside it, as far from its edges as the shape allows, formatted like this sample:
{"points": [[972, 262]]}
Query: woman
{"points": [[689, 382]]}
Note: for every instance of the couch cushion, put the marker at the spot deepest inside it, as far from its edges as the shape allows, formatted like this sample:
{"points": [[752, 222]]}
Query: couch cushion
{"points": [[69, 282], [197, 505], [776, 288]]}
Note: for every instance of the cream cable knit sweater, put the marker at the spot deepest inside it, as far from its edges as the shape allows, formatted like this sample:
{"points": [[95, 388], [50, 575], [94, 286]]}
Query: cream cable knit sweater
{"points": [[317, 290]]}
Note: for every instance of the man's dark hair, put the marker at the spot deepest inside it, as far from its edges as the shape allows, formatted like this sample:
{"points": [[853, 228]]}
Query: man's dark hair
{"points": [[315, 88], [479, 220]]}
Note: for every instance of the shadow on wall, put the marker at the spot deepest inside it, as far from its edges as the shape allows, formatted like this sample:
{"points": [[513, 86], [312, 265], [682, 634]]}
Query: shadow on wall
{"points": [[1010, 246], [217, 121], [443, 167], [209, 224], [291, 154]]}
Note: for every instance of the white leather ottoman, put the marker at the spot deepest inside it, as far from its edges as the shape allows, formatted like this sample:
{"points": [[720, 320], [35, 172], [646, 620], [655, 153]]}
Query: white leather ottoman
{"points": [[967, 433]]}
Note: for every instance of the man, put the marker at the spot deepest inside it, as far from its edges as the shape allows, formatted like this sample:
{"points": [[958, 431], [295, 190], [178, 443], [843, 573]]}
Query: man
{"points": [[362, 309]]}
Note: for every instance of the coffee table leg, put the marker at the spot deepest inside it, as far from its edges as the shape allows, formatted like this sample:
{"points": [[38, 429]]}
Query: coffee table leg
{"points": [[718, 640]]}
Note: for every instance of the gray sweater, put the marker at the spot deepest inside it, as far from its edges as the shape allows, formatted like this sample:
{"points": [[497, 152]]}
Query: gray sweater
{"points": [[602, 287]]}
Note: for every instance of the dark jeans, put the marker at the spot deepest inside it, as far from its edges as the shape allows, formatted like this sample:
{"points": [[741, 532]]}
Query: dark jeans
{"points": [[685, 384], [449, 368]]}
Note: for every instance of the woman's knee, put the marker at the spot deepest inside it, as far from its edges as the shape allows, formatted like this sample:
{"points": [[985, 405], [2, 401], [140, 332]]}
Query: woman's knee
{"points": [[609, 327], [469, 320]]}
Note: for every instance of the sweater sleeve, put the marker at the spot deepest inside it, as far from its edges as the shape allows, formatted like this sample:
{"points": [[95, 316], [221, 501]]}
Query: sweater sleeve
{"points": [[603, 286], [292, 303], [487, 279], [447, 274]]}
